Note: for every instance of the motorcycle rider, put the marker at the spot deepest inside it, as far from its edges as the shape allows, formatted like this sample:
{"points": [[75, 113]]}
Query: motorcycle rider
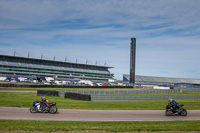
{"points": [[47, 102], [174, 105], [42, 103]]}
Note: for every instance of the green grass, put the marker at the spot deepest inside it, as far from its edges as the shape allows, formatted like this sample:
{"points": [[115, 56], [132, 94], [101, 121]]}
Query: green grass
{"points": [[106, 126], [23, 99]]}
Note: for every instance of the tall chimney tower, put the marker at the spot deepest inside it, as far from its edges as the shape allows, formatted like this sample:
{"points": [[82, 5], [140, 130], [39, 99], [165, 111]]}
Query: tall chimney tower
{"points": [[132, 61]]}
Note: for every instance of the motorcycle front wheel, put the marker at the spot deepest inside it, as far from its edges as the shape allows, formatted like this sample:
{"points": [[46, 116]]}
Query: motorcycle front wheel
{"points": [[33, 109], [53, 110], [168, 112], [184, 112]]}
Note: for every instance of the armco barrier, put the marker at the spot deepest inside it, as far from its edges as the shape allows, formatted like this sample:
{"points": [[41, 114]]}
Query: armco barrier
{"points": [[77, 96], [47, 93]]}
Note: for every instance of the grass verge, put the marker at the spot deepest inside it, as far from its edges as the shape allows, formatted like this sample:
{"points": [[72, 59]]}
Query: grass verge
{"points": [[106, 126], [25, 99]]}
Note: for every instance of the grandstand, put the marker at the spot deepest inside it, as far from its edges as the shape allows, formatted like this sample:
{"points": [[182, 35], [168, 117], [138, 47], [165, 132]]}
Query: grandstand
{"points": [[22, 66], [150, 80]]}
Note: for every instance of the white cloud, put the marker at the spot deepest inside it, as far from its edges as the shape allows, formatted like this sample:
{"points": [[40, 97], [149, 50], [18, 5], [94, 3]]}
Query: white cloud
{"points": [[167, 33]]}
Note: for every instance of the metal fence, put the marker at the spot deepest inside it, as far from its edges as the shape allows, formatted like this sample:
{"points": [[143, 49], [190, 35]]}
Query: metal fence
{"points": [[122, 95], [121, 92], [140, 97]]}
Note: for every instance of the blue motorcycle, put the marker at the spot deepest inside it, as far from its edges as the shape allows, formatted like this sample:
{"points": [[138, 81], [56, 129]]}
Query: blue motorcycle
{"points": [[39, 107], [172, 111]]}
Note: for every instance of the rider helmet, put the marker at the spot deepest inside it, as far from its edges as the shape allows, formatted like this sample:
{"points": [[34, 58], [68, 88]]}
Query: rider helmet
{"points": [[43, 98], [170, 100]]}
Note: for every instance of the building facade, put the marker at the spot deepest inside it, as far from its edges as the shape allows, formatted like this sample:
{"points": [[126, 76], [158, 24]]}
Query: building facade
{"points": [[22, 66], [151, 80]]}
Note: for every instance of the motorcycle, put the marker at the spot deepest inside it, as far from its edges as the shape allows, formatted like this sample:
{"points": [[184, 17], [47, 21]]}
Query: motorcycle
{"points": [[49, 108], [179, 111]]}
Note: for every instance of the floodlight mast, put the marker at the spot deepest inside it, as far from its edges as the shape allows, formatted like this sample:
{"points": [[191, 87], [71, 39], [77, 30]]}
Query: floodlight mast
{"points": [[132, 61]]}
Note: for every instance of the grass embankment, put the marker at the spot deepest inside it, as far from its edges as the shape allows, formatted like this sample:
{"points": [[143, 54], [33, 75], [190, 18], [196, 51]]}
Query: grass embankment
{"points": [[106, 126], [23, 99]]}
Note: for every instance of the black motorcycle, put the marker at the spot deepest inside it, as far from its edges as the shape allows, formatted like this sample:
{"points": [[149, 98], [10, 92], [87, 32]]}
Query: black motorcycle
{"points": [[50, 108], [170, 111]]}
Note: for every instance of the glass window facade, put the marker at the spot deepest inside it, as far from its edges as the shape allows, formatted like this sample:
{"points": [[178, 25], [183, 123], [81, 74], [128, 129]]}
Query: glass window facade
{"points": [[38, 67]]}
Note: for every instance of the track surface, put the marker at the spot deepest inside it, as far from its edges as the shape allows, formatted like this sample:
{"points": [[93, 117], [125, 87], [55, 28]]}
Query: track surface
{"points": [[14, 113]]}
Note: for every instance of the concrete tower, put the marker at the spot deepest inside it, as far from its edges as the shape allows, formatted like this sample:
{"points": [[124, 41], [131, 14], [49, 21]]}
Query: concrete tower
{"points": [[132, 61]]}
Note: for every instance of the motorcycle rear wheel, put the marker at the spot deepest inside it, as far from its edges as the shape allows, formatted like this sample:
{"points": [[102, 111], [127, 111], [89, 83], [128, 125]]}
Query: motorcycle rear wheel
{"points": [[33, 109], [53, 110]]}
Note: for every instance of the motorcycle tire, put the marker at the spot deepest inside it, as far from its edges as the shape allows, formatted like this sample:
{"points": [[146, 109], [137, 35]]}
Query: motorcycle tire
{"points": [[184, 112], [33, 109], [168, 112], [53, 110]]}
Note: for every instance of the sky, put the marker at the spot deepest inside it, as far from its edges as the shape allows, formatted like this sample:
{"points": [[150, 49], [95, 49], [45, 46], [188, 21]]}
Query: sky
{"points": [[167, 33]]}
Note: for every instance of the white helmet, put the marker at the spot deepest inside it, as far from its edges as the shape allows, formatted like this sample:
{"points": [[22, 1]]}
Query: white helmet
{"points": [[170, 100]]}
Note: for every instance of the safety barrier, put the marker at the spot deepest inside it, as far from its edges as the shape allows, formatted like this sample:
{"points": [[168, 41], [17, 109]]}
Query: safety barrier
{"points": [[120, 95], [140, 97], [78, 96], [121, 92]]}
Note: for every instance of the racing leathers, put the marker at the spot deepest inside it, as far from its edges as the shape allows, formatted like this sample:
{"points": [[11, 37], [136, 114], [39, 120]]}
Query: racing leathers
{"points": [[174, 105]]}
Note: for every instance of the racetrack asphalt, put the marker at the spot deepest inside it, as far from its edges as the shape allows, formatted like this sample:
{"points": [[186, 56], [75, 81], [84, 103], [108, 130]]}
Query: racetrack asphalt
{"points": [[15, 113]]}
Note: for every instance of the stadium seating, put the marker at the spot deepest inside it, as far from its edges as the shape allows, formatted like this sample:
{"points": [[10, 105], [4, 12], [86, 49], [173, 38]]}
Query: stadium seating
{"points": [[50, 67]]}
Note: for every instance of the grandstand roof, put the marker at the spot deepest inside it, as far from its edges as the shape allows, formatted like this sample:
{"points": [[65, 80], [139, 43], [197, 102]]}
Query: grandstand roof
{"points": [[52, 61]]}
